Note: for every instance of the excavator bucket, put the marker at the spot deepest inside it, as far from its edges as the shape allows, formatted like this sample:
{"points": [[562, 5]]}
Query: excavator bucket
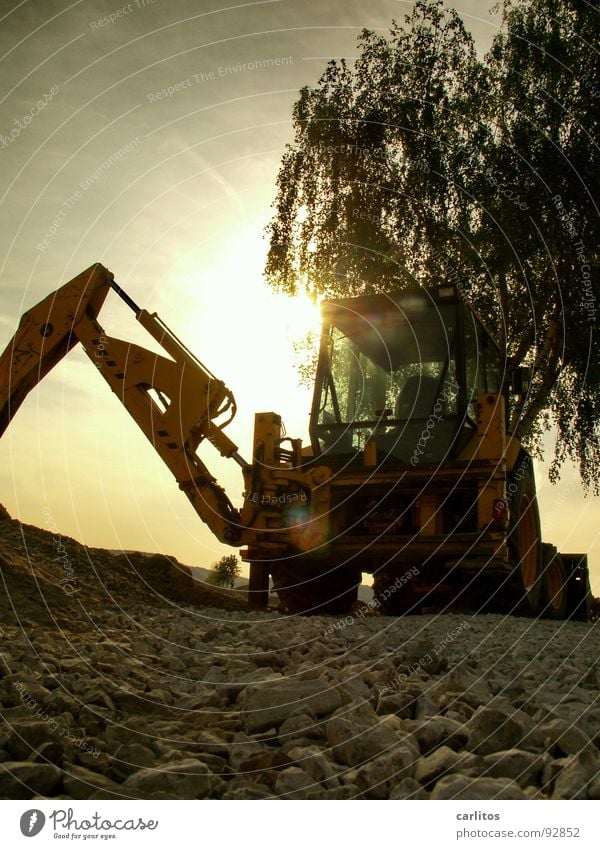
{"points": [[45, 335]]}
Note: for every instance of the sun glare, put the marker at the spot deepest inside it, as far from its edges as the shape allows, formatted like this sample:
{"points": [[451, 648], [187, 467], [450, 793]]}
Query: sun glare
{"points": [[243, 331], [300, 314], [228, 303]]}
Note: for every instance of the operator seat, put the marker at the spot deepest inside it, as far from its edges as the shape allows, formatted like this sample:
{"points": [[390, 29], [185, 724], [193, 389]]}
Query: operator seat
{"points": [[417, 397], [335, 439]]}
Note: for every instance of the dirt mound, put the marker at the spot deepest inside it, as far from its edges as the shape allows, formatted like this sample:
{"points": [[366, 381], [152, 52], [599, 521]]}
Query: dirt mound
{"points": [[168, 578], [46, 577], [27, 600]]}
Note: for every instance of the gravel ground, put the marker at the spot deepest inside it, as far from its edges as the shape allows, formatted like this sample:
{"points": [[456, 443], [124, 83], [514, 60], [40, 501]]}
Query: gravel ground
{"points": [[113, 690]]}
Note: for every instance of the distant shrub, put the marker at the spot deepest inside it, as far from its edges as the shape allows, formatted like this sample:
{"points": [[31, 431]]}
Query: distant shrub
{"points": [[225, 571]]}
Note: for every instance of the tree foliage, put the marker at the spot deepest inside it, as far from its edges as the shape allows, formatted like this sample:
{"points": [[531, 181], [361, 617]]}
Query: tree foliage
{"points": [[225, 571], [424, 164]]}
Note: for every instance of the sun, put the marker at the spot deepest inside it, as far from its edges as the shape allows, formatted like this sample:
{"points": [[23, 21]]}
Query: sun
{"points": [[299, 314], [225, 302], [242, 330]]}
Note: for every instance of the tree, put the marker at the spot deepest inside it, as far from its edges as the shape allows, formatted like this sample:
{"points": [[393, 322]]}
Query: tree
{"points": [[225, 571], [424, 163]]}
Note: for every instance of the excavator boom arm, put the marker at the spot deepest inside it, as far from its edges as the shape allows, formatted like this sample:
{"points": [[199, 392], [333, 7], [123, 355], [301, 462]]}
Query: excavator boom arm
{"points": [[45, 334], [175, 400]]}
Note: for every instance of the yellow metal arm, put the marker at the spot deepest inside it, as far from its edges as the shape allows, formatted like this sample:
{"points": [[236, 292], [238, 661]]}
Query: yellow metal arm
{"points": [[175, 400], [45, 334]]}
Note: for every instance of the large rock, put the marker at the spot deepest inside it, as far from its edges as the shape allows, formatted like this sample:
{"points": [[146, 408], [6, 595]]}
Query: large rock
{"points": [[294, 783], [247, 791], [577, 776], [463, 787], [402, 703], [438, 731], [32, 694], [443, 761], [54, 753], [202, 697], [351, 685], [212, 743], [23, 780], [564, 737], [491, 730], [532, 739], [187, 779], [312, 760], [269, 705], [594, 788], [82, 783], [4, 514], [460, 684], [97, 696], [517, 764], [264, 761], [421, 655], [376, 778], [408, 788], [550, 773], [301, 729], [242, 747], [357, 736], [27, 737], [216, 764], [425, 707], [130, 757]]}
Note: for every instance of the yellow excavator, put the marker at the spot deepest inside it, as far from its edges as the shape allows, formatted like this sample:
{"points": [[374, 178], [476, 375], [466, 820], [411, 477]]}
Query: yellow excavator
{"points": [[412, 474]]}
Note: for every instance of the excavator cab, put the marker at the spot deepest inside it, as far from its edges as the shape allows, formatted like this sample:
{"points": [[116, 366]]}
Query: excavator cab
{"points": [[395, 369]]}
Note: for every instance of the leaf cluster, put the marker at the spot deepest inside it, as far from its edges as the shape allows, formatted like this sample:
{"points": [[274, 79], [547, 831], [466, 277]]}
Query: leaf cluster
{"points": [[224, 572], [424, 164]]}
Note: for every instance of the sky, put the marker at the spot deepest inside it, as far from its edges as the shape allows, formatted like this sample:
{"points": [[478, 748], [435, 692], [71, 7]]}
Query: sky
{"points": [[156, 153]]}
